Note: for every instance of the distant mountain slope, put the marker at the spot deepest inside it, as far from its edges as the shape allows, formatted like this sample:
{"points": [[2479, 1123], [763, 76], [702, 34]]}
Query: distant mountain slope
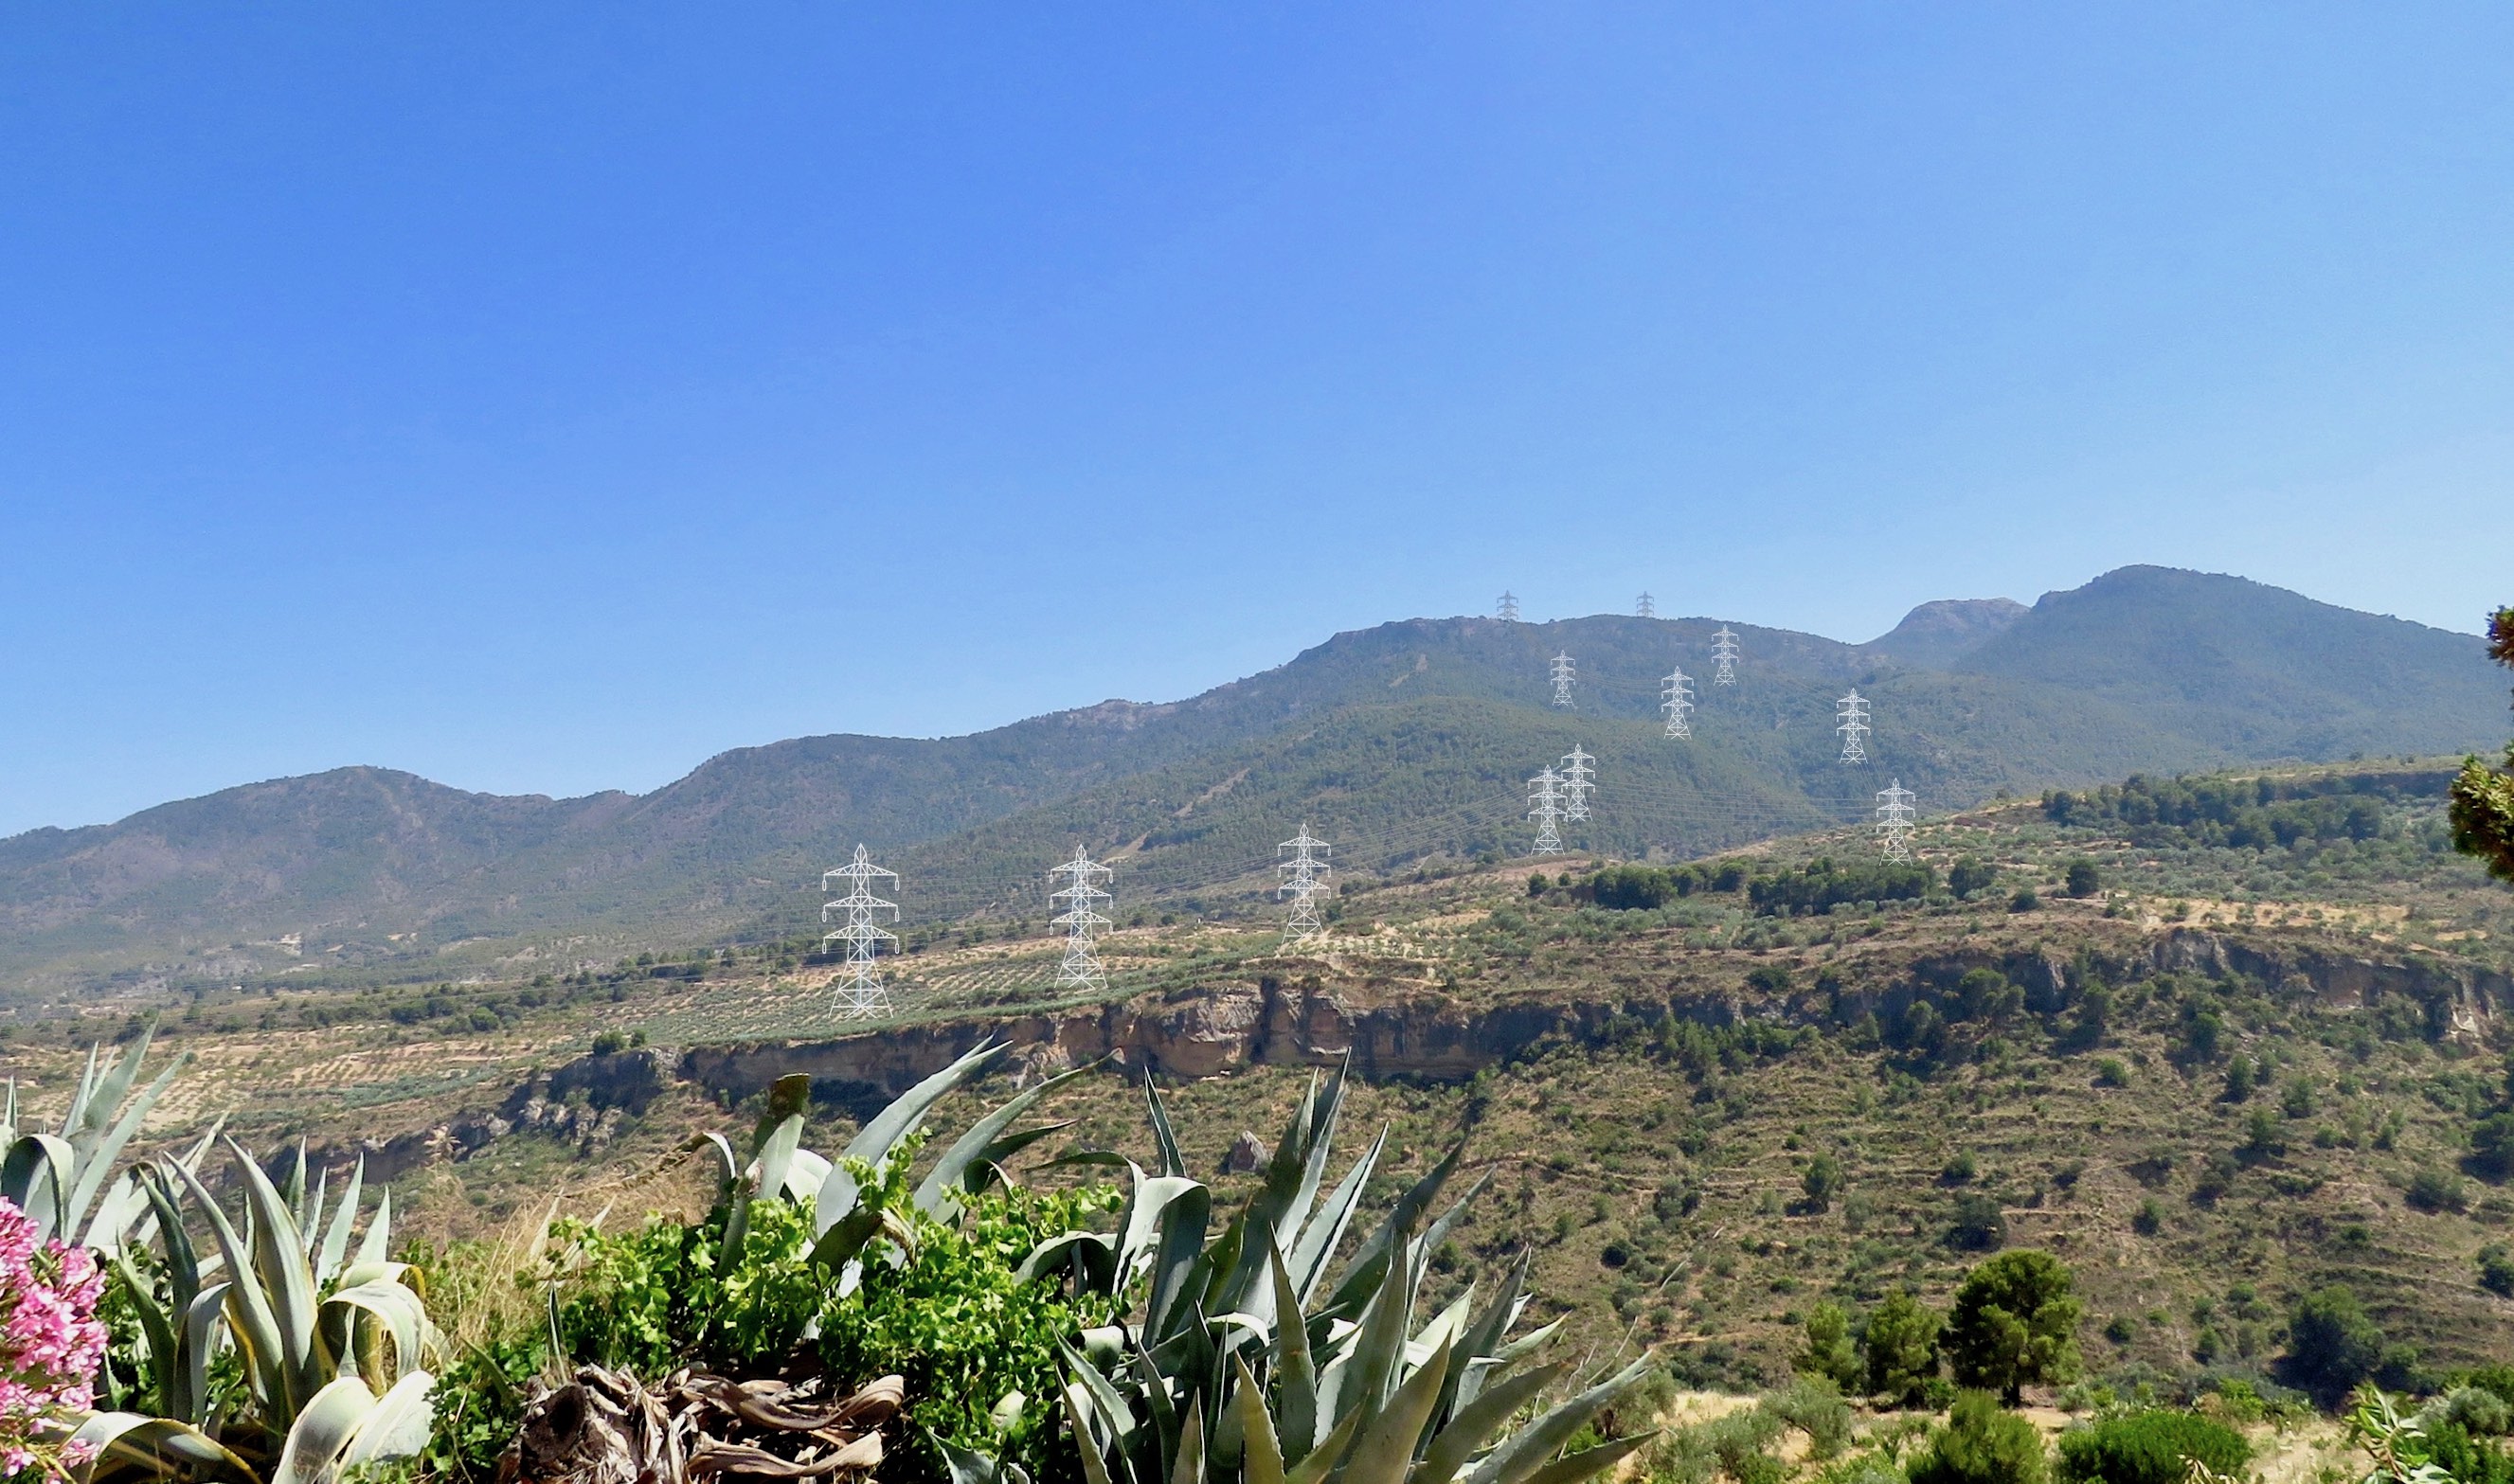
{"points": [[1414, 725], [1939, 633], [2255, 672]]}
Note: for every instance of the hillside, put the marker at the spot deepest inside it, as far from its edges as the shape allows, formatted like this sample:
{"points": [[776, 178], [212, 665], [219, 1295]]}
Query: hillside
{"points": [[2230, 1074], [1408, 738]]}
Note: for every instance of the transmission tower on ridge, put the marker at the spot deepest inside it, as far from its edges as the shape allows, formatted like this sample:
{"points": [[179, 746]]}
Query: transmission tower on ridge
{"points": [[1546, 809], [1675, 698], [1506, 610], [1644, 608], [1081, 923], [1565, 672], [1852, 710], [1723, 654], [1578, 779], [1894, 819], [862, 995], [1304, 877]]}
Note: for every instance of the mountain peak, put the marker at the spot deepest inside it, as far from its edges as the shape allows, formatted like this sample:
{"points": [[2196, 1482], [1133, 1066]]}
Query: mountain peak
{"points": [[1939, 633]]}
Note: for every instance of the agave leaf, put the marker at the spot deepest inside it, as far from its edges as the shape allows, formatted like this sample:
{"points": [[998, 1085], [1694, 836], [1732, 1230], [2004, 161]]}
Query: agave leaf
{"points": [[279, 1263], [8, 1111], [804, 1175], [1106, 1399], [377, 1242], [967, 1466], [156, 1327], [934, 1195], [252, 1313], [1445, 1328], [1378, 1351], [75, 1118], [1090, 1250], [1573, 1468], [396, 1313], [788, 1097], [882, 1133], [1261, 1453], [323, 1433], [98, 1159], [1326, 1231], [1362, 1275], [1296, 1381], [398, 1425], [1517, 1459], [1529, 1341], [1095, 1468], [156, 1446], [36, 1176], [1172, 1165], [309, 1214], [1476, 1421], [1190, 1467], [203, 1323], [1152, 1387], [1385, 1451], [1183, 1209], [336, 1239], [1312, 1469], [724, 1148], [842, 1240], [777, 1154]]}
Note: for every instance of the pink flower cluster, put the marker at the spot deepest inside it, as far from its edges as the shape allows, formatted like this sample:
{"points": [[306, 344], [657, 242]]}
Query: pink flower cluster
{"points": [[49, 1346]]}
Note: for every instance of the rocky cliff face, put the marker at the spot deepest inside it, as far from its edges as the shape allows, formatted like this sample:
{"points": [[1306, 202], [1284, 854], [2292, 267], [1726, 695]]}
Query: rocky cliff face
{"points": [[1225, 1027]]}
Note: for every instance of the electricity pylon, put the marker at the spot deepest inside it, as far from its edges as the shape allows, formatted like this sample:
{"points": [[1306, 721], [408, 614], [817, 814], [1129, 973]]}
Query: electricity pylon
{"points": [[1894, 819], [1506, 610], [1546, 809], [1723, 654], [1081, 923], [1304, 877], [1565, 672], [1644, 608], [1675, 698], [1853, 711], [1579, 778], [862, 995]]}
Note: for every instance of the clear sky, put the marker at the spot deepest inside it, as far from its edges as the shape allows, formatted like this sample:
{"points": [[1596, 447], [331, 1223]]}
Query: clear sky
{"points": [[542, 397]]}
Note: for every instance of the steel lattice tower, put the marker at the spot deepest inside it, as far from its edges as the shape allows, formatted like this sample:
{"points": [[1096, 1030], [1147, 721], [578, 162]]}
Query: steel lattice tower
{"points": [[1506, 610], [1723, 654], [1853, 711], [1546, 809], [1894, 813], [1565, 672], [1081, 923], [1675, 698], [1644, 608], [861, 993], [1304, 877], [1578, 779]]}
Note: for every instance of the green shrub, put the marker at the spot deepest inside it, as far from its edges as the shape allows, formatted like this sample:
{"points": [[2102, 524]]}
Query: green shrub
{"points": [[2013, 1324], [2153, 1447], [1981, 1444], [1829, 1353], [1815, 1407], [1900, 1348], [2332, 1344]]}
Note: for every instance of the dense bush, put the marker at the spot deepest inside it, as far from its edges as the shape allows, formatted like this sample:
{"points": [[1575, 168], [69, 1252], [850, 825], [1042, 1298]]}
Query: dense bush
{"points": [[1900, 1348], [1823, 883], [2014, 1324], [1981, 1444], [2253, 812], [2332, 1344], [1634, 888], [2154, 1447]]}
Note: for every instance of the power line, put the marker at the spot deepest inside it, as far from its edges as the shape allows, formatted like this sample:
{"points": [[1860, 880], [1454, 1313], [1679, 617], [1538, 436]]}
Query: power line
{"points": [[1082, 924], [1675, 698], [1723, 654], [1644, 608], [1304, 876], [1565, 672], [1506, 610], [861, 993], [1853, 709]]}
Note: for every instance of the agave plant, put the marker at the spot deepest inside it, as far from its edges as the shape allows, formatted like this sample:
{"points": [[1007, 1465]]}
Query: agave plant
{"points": [[64, 1179], [844, 1225], [333, 1347], [1239, 1370]]}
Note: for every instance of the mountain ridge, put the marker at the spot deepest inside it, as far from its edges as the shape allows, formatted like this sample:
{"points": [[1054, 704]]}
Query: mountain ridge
{"points": [[2142, 669]]}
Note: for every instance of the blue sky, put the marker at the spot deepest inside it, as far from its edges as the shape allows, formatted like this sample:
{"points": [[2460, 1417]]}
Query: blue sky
{"points": [[543, 397]]}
